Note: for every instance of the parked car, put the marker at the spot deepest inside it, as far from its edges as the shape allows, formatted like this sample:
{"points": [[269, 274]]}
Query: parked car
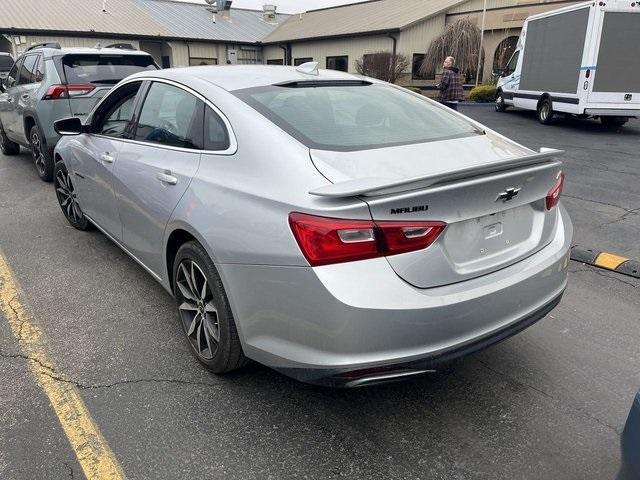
{"points": [[6, 62], [630, 469], [341, 230], [576, 60], [47, 83]]}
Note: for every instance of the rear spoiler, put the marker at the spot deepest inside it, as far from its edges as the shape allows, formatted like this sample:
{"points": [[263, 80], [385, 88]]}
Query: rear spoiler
{"points": [[379, 186]]}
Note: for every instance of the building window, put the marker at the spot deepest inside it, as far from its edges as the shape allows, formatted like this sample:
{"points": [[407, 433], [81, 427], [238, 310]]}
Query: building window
{"points": [[416, 64], [277, 61], [195, 61], [340, 63], [299, 61]]}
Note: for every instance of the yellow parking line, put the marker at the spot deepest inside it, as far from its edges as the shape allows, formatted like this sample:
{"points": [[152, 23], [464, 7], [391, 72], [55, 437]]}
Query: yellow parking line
{"points": [[609, 260], [94, 455]]}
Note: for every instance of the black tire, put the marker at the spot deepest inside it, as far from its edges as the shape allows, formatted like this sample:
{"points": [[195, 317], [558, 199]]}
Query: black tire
{"points": [[613, 123], [40, 154], [67, 200], [545, 111], [224, 354], [7, 146], [500, 105]]}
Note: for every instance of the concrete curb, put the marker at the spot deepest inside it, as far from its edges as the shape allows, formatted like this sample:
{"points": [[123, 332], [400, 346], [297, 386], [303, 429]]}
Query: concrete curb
{"points": [[606, 260]]}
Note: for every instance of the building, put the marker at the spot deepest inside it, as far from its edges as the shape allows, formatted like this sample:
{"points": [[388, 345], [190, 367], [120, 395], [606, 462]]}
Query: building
{"points": [[175, 33], [337, 37], [181, 34]]}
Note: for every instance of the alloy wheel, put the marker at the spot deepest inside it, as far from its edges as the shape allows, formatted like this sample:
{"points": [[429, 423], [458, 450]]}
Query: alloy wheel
{"points": [[36, 152], [197, 310], [67, 197], [544, 112]]}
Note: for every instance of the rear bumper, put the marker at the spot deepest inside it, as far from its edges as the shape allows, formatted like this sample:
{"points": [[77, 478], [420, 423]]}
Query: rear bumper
{"points": [[613, 112], [317, 324]]}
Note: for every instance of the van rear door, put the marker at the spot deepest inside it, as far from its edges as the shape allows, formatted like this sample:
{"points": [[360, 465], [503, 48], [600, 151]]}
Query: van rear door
{"points": [[616, 74]]}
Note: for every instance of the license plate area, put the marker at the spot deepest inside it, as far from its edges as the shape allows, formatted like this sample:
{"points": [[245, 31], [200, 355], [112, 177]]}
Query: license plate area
{"points": [[492, 240]]}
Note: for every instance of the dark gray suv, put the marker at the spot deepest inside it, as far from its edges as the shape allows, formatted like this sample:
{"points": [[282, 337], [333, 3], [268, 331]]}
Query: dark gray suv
{"points": [[47, 83]]}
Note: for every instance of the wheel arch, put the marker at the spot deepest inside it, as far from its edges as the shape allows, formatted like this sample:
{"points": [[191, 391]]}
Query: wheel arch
{"points": [[177, 235], [544, 96]]}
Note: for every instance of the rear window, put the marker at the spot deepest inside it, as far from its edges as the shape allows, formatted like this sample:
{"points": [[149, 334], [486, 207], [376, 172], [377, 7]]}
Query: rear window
{"points": [[6, 62], [104, 69], [346, 118]]}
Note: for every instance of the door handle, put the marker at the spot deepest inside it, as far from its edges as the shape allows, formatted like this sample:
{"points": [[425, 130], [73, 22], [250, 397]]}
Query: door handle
{"points": [[25, 96], [166, 177], [106, 158]]}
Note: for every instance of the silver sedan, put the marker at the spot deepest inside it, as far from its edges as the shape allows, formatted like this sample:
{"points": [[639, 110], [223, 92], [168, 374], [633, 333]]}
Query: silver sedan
{"points": [[339, 229]]}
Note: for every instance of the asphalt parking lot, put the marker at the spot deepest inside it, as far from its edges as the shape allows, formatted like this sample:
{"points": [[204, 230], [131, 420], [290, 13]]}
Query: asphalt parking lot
{"points": [[548, 403]]}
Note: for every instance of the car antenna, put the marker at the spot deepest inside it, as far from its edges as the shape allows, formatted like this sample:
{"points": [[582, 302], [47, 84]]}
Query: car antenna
{"points": [[309, 68]]}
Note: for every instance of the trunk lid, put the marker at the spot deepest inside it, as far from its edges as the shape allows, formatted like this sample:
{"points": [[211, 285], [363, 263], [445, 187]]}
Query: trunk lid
{"points": [[490, 192]]}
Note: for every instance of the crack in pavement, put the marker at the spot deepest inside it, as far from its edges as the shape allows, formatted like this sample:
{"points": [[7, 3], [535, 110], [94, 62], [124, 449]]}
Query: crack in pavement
{"points": [[596, 201], [602, 273], [635, 211], [570, 408], [70, 469], [51, 373]]}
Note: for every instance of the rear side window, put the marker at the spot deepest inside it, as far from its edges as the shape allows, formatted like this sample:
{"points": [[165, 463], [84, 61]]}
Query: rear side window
{"points": [[171, 116], [28, 70], [216, 136], [103, 69], [347, 118]]}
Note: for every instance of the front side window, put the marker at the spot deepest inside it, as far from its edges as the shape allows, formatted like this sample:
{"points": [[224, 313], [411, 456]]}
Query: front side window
{"points": [[114, 115], [338, 63], [28, 69], [511, 66], [347, 117], [171, 116]]}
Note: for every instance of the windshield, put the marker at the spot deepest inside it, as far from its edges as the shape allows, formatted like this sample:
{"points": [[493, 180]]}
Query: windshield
{"points": [[107, 69], [343, 118], [6, 62]]}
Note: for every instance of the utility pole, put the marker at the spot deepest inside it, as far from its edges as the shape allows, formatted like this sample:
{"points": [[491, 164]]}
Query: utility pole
{"points": [[484, 15]]}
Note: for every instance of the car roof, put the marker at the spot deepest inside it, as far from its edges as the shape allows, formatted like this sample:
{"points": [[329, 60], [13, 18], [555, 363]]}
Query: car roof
{"points": [[55, 52], [237, 77]]}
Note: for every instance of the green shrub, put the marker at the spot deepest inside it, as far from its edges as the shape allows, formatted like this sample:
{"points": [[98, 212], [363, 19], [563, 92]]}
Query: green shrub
{"points": [[483, 93]]}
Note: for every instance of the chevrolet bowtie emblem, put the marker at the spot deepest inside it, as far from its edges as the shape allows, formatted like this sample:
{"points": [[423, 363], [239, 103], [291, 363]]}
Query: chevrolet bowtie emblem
{"points": [[509, 194]]}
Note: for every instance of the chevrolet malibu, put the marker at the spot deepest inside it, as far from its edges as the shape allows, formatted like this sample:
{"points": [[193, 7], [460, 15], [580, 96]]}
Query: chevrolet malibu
{"points": [[336, 228]]}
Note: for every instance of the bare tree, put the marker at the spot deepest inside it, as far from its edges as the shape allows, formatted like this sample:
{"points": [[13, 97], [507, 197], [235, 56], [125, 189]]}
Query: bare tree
{"points": [[460, 40], [382, 65]]}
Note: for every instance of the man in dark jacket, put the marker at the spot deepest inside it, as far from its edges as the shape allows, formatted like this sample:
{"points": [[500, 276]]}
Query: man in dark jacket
{"points": [[450, 87]]}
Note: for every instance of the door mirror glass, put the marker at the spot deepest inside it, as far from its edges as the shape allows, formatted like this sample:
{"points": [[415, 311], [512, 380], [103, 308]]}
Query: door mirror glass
{"points": [[68, 126]]}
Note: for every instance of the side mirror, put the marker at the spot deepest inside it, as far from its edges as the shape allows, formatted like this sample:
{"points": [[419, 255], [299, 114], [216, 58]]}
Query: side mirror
{"points": [[68, 126]]}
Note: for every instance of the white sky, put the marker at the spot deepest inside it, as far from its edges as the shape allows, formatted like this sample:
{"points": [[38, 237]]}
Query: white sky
{"points": [[288, 6]]}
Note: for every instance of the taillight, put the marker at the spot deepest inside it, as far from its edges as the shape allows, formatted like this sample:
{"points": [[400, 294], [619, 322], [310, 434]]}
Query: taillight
{"points": [[553, 197], [325, 240], [56, 92]]}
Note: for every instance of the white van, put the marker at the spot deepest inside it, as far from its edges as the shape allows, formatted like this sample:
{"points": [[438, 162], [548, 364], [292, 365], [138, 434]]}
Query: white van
{"points": [[582, 60]]}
